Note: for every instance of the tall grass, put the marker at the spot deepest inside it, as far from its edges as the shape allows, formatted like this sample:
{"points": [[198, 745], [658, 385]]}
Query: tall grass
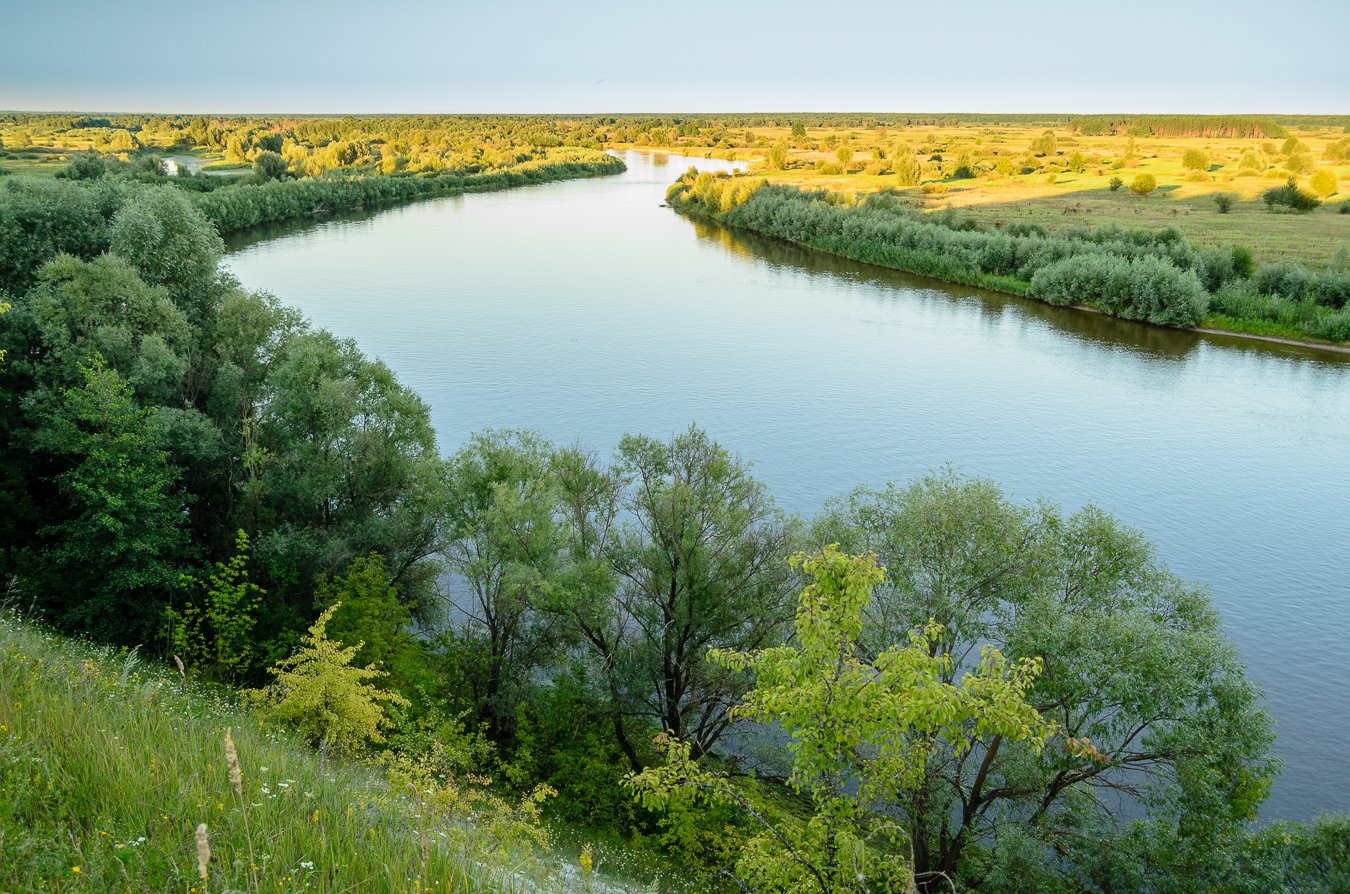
{"points": [[108, 765]]}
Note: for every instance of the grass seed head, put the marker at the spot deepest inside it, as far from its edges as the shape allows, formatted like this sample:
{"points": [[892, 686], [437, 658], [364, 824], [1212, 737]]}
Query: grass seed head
{"points": [[232, 757], [203, 850]]}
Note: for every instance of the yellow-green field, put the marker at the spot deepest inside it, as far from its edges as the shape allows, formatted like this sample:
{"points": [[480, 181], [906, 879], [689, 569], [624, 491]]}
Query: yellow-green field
{"points": [[1056, 198], [1015, 180]]}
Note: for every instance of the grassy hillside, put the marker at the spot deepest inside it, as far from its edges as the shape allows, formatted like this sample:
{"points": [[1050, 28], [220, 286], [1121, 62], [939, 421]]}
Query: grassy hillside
{"points": [[108, 765]]}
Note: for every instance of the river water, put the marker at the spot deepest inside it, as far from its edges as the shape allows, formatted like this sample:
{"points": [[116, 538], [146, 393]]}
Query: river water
{"points": [[585, 310]]}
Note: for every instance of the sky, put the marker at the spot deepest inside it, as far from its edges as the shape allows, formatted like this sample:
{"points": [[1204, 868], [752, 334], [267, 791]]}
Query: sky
{"points": [[341, 56]]}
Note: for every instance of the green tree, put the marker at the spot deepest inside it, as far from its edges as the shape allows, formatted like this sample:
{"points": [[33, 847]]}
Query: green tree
{"points": [[81, 308], [268, 165], [1300, 163], [1157, 715], [371, 613], [213, 632], [322, 695], [41, 218], [698, 567], [1045, 144], [170, 243], [845, 156], [350, 466], [1143, 184], [1194, 159], [906, 165], [1324, 182], [107, 566], [798, 130], [236, 150], [502, 542], [778, 155], [861, 727], [85, 166]]}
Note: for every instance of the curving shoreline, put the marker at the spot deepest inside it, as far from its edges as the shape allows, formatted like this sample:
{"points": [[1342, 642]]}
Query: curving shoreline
{"points": [[693, 210]]}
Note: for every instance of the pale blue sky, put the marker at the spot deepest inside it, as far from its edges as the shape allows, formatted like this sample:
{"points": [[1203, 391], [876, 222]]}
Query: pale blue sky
{"points": [[588, 56]]}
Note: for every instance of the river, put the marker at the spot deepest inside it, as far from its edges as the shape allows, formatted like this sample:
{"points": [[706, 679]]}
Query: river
{"points": [[584, 310]]}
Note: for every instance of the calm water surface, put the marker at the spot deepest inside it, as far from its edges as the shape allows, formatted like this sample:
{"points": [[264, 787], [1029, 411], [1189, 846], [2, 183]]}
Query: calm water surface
{"points": [[585, 310]]}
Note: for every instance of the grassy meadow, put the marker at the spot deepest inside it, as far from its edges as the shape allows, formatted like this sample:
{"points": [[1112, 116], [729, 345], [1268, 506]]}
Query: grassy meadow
{"points": [[1043, 190]]}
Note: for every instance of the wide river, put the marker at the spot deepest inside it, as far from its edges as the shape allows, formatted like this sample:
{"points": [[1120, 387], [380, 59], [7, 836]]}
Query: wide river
{"points": [[585, 310]]}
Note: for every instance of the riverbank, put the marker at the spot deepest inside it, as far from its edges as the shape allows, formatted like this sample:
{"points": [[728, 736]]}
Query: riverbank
{"points": [[1155, 277], [243, 207]]}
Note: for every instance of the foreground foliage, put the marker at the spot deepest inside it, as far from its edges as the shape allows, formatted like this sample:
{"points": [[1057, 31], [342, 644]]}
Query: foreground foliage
{"points": [[1165, 754], [107, 765], [861, 729]]}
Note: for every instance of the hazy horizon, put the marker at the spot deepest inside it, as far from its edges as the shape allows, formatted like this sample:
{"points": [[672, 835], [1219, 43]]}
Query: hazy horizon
{"points": [[312, 58]]}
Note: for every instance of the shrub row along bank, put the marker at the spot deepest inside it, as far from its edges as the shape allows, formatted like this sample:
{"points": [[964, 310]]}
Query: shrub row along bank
{"points": [[41, 218], [1156, 276], [232, 210]]}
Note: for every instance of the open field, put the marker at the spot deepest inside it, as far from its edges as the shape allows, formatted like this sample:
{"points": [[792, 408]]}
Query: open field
{"points": [[1015, 181]]}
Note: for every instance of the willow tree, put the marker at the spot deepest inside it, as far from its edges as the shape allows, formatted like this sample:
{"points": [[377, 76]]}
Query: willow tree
{"points": [[698, 566], [1167, 750], [503, 544], [861, 729]]}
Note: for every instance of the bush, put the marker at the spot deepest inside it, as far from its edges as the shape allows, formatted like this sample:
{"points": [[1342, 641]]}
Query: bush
{"points": [[1225, 201], [269, 165], [1115, 184], [1291, 197], [1195, 160], [1285, 279], [85, 166], [1147, 288], [1324, 183], [1295, 282], [1332, 289], [1334, 327], [1217, 267], [1143, 184]]}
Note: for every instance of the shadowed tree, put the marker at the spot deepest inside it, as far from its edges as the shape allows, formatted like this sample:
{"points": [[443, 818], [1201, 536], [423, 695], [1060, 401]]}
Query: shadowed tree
{"points": [[502, 544], [700, 566], [109, 563]]}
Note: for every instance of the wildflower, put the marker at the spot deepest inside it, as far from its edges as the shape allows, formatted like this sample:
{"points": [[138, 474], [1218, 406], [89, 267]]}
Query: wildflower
{"points": [[587, 860], [75, 870]]}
